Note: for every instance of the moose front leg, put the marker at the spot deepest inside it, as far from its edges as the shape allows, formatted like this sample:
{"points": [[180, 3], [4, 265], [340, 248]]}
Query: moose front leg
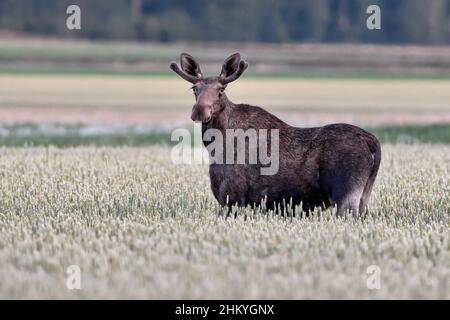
{"points": [[240, 202], [230, 196]]}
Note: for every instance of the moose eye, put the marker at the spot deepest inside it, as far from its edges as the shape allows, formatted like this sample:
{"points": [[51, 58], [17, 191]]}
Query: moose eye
{"points": [[194, 89], [221, 91]]}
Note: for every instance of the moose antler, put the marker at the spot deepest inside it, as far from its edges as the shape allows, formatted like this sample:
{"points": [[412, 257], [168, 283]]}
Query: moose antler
{"points": [[241, 68], [184, 75]]}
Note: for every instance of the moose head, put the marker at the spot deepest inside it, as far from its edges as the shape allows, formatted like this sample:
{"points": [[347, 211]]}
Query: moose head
{"points": [[209, 91]]}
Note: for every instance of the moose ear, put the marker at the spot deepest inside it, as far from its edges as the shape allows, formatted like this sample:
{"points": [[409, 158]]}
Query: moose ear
{"points": [[190, 66], [232, 68], [190, 69], [230, 65]]}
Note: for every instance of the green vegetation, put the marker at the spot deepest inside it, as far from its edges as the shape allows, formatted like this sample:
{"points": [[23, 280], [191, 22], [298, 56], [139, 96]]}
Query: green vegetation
{"points": [[31, 134], [139, 226], [84, 135], [52, 70], [412, 21], [433, 133], [71, 56]]}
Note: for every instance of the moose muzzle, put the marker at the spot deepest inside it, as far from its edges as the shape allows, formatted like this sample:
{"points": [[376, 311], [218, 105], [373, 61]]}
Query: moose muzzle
{"points": [[201, 113]]}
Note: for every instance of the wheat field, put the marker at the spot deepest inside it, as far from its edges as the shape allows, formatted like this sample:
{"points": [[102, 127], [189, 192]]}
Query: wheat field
{"points": [[139, 226], [87, 181]]}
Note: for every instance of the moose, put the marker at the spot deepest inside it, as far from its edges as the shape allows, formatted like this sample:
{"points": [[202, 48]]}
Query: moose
{"points": [[333, 165]]}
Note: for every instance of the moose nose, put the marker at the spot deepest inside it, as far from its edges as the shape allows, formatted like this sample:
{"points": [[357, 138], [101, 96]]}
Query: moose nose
{"points": [[194, 116], [201, 113]]}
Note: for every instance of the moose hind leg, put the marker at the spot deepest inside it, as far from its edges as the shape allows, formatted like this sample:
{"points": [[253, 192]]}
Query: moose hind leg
{"points": [[363, 205], [348, 202], [343, 194], [364, 202]]}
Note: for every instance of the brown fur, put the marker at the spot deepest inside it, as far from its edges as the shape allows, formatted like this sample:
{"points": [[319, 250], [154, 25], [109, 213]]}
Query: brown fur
{"points": [[333, 165]]}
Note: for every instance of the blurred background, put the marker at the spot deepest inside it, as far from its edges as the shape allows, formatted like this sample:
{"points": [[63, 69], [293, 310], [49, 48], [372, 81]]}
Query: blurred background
{"points": [[311, 63]]}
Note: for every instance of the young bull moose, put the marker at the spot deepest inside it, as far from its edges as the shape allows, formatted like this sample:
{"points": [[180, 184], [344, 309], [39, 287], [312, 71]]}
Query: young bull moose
{"points": [[333, 165]]}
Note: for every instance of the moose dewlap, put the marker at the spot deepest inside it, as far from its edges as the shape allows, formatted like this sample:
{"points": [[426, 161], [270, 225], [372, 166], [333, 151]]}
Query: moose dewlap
{"points": [[333, 165]]}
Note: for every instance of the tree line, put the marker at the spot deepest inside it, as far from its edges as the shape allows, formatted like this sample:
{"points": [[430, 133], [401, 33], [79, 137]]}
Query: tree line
{"points": [[402, 21]]}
